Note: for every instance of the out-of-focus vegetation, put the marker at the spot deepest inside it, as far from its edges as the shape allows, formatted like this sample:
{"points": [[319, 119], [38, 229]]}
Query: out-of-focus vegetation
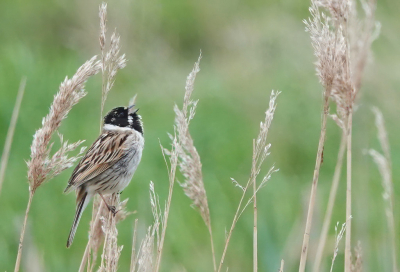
{"points": [[249, 48]]}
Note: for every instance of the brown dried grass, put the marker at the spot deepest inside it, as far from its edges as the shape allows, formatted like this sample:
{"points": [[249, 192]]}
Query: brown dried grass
{"points": [[341, 44], [42, 167]]}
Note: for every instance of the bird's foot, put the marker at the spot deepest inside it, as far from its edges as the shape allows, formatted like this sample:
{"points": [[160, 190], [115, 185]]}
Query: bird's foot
{"points": [[112, 209]]}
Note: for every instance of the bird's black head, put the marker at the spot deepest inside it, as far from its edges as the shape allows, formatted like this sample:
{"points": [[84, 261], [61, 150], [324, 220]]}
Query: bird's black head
{"points": [[121, 117]]}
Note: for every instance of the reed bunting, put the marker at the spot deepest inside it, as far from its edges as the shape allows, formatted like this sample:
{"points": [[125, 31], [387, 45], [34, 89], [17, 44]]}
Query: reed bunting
{"points": [[109, 164]]}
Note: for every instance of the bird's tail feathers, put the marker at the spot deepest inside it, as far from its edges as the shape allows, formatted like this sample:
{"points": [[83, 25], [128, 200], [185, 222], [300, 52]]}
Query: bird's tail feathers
{"points": [[68, 189], [82, 201]]}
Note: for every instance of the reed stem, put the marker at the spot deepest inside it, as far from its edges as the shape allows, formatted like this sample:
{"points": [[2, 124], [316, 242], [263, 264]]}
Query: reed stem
{"points": [[306, 238], [347, 253], [331, 202], [21, 239]]}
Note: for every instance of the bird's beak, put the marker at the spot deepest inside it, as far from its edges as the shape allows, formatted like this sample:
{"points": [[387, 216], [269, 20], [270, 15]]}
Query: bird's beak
{"points": [[136, 111]]}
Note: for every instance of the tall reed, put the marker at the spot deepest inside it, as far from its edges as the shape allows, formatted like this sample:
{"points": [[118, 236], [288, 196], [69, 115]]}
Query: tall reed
{"points": [[189, 159], [43, 167], [341, 44], [111, 62], [10, 131]]}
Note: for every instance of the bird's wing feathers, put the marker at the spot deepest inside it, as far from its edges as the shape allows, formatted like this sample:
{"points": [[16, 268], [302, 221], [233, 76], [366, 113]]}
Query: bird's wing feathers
{"points": [[103, 154]]}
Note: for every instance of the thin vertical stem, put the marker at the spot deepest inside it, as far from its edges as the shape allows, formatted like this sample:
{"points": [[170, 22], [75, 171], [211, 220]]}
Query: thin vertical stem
{"points": [[347, 255], [255, 253], [133, 254], [212, 248], [21, 239], [331, 202], [234, 221], [86, 254], [306, 238], [391, 226], [10, 132], [171, 176], [282, 265]]}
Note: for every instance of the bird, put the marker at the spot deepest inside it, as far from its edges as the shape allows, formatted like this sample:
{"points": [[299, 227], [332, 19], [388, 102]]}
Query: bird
{"points": [[109, 164]]}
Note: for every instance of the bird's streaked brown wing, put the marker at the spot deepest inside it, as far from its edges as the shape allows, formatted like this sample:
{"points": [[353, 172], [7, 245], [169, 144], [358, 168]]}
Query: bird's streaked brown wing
{"points": [[103, 154]]}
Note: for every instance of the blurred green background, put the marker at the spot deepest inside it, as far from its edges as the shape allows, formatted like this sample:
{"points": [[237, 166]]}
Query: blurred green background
{"points": [[249, 48]]}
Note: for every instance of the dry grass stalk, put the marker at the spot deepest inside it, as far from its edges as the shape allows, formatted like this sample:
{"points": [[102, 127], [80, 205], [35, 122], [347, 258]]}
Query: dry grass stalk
{"points": [[384, 164], [341, 44], [10, 132], [111, 250], [90, 256], [98, 233], [255, 236], [173, 160], [145, 260], [189, 159], [111, 61], [329, 48], [42, 167], [338, 237], [260, 152], [133, 254], [282, 265], [331, 203], [304, 248]]}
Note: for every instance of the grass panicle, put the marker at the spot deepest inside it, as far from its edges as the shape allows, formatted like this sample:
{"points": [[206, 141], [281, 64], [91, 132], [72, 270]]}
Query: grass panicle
{"points": [[41, 166], [260, 152], [341, 44], [111, 60], [338, 237], [384, 163], [189, 159]]}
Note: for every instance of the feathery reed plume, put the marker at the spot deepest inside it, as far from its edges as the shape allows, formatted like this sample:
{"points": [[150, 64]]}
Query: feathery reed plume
{"points": [[260, 152], [111, 61], [384, 164], [341, 44], [189, 159], [10, 132], [328, 48], [42, 167], [338, 237]]}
